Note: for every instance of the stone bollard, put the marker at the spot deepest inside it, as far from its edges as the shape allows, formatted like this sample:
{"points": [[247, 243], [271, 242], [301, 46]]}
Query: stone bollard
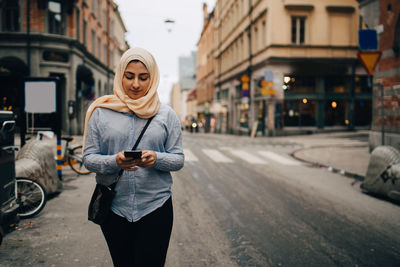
{"points": [[36, 160], [383, 173]]}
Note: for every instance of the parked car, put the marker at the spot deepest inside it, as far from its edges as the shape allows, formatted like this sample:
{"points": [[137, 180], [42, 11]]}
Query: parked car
{"points": [[8, 194]]}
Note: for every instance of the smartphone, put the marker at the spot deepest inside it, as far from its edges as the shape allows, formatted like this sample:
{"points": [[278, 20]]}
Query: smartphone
{"points": [[135, 154]]}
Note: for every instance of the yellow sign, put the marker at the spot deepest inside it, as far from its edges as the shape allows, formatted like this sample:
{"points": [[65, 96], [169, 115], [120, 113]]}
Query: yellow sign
{"points": [[245, 78], [369, 59], [267, 88]]}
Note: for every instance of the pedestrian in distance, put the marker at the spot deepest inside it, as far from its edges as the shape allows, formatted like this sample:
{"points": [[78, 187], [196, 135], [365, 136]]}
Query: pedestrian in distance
{"points": [[138, 227]]}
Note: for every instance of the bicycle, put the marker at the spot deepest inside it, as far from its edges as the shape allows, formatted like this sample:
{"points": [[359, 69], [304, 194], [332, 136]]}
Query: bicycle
{"points": [[73, 157], [31, 197]]}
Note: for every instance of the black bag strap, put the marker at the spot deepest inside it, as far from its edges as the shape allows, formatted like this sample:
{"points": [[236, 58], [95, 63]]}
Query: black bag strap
{"points": [[142, 133], [134, 147]]}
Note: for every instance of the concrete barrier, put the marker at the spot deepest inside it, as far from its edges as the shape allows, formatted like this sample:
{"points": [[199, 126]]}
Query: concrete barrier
{"points": [[36, 160], [383, 173]]}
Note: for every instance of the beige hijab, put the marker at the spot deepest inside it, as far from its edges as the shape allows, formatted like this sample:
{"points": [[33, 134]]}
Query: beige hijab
{"points": [[144, 107]]}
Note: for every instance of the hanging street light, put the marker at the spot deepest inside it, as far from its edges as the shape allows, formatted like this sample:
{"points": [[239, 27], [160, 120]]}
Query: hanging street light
{"points": [[169, 24]]}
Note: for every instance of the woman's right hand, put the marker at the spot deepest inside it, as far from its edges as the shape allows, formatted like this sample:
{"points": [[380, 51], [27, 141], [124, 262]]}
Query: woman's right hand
{"points": [[127, 164]]}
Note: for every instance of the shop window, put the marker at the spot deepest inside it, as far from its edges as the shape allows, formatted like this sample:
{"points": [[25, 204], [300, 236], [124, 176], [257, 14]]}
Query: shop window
{"points": [[299, 84], [299, 113], [243, 115], [298, 30], [10, 16], [336, 84], [362, 112], [55, 18], [335, 113], [363, 85]]}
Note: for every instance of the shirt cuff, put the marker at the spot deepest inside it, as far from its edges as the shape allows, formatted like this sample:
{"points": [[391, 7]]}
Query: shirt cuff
{"points": [[111, 161], [160, 157]]}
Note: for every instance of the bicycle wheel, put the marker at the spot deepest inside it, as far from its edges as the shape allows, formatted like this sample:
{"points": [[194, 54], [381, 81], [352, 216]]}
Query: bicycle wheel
{"points": [[31, 197], [75, 161]]}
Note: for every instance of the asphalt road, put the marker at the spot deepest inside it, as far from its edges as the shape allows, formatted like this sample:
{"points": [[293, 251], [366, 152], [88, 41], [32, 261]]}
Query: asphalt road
{"points": [[237, 202]]}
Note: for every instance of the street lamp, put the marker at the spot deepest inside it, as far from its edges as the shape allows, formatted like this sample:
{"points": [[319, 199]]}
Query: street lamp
{"points": [[169, 23]]}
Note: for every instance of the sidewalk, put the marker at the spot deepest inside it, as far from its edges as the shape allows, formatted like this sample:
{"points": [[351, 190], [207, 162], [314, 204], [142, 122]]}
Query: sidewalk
{"points": [[343, 152]]}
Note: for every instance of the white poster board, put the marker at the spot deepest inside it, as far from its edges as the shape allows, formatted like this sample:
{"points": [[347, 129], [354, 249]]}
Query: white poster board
{"points": [[40, 96]]}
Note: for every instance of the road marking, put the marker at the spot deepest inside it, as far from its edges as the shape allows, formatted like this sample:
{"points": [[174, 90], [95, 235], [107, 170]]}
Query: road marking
{"points": [[250, 158], [216, 156], [189, 156], [278, 158]]}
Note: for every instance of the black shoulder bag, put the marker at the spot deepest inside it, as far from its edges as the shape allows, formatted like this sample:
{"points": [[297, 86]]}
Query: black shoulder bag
{"points": [[103, 195]]}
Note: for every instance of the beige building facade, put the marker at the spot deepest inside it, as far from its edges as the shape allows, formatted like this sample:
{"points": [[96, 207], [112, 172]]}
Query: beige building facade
{"points": [[176, 99], [286, 63], [205, 71]]}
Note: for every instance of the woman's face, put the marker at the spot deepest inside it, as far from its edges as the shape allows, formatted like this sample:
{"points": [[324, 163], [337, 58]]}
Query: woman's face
{"points": [[136, 80]]}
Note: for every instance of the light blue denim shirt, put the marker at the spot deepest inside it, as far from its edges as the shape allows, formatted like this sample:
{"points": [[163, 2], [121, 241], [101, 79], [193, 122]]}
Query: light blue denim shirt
{"points": [[137, 192]]}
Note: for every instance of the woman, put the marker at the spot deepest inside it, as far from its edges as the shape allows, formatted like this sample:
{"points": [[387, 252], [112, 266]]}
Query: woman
{"points": [[139, 224]]}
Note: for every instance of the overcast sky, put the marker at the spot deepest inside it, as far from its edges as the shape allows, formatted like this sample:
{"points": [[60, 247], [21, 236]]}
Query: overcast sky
{"points": [[144, 21]]}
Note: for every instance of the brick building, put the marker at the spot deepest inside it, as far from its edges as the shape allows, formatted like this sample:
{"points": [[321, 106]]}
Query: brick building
{"points": [[383, 15], [77, 41]]}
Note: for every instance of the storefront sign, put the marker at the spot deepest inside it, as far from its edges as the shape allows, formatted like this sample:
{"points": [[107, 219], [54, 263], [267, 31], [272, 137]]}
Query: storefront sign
{"points": [[55, 56], [268, 76], [267, 88]]}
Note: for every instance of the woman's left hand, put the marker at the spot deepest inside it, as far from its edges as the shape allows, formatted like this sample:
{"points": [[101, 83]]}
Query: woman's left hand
{"points": [[149, 158]]}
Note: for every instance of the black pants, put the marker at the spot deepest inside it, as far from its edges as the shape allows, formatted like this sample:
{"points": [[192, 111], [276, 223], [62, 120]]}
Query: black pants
{"points": [[141, 243]]}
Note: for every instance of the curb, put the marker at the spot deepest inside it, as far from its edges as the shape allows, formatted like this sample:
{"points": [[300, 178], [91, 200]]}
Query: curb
{"points": [[330, 168]]}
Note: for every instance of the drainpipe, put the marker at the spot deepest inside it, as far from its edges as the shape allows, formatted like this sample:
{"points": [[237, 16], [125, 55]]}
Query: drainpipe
{"points": [[28, 39], [249, 72]]}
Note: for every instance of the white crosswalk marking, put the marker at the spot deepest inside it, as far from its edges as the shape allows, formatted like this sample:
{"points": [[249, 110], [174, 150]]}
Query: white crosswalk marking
{"points": [[216, 156], [250, 158], [189, 156], [278, 158]]}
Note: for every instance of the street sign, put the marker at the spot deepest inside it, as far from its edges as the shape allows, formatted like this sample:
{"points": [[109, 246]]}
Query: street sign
{"points": [[268, 76], [368, 39], [267, 88], [245, 85], [369, 59]]}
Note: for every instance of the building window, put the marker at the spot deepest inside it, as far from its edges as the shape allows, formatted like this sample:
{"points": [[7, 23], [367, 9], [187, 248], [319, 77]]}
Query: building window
{"points": [[98, 48], [363, 85], [105, 20], [98, 11], [336, 84], [84, 32], [105, 52], [10, 16], [55, 18], [335, 112], [264, 35], [93, 42], [93, 6], [299, 84], [298, 30], [396, 41], [78, 24], [300, 112]]}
